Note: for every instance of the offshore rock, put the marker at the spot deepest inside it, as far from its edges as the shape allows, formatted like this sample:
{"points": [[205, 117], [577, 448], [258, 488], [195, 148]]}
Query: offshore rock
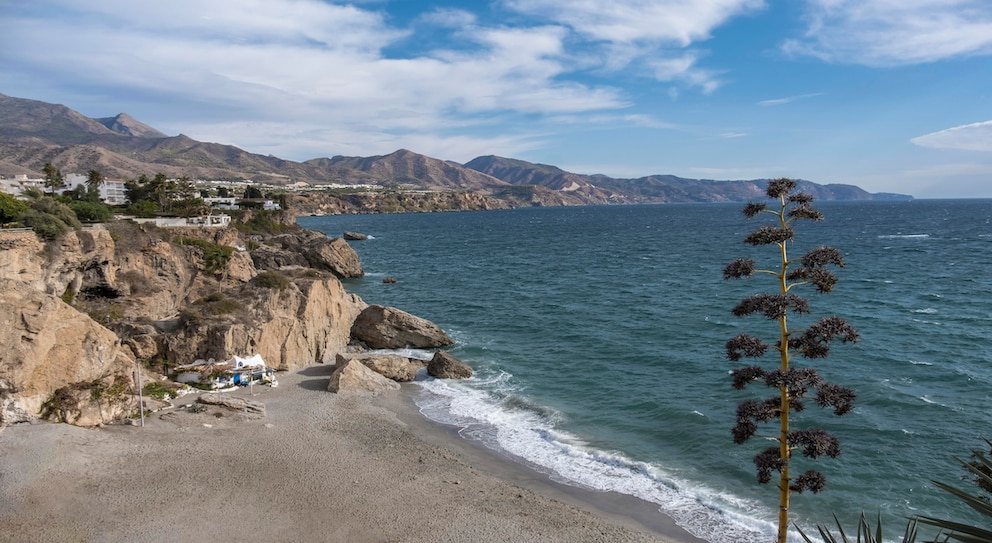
{"points": [[355, 236], [391, 366], [445, 366], [353, 377], [381, 327]]}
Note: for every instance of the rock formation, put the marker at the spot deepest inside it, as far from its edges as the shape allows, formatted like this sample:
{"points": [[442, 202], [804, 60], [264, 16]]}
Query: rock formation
{"points": [[445, 366], [354, 377], [391, 366], [81, 312], [48, 345], [382, 327]]}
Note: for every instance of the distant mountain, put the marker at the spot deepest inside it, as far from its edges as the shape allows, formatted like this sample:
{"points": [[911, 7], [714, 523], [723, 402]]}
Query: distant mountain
{"points": [[410, 170], [33, 133], [128, 126]]}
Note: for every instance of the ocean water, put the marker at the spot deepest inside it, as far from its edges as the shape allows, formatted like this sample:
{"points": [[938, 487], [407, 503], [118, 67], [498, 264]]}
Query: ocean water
{"points": [[597, 335]]}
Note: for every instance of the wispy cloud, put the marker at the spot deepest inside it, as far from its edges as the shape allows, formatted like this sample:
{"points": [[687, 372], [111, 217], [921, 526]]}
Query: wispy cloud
{"points": [[677, 22], [655, 33], [788, 99], [895, 32], [969, 137], [306, 63]]}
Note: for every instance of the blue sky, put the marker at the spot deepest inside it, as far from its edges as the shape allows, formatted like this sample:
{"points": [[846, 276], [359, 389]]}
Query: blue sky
{"points": [[889, 95]]}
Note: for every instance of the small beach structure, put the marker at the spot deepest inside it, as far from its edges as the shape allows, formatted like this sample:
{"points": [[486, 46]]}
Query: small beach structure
{"points": [[237, 371]]}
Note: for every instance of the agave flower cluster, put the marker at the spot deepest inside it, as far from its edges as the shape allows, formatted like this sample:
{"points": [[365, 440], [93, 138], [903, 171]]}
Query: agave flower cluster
{"points": [[795, 385]]}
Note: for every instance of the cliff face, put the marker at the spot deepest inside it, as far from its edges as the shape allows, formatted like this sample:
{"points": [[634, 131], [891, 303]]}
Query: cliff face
{"points": [[79, 313], [49, 345]]}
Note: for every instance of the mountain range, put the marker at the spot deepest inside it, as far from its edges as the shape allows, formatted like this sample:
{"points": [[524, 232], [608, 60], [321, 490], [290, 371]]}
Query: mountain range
{"points": [[33, 133]]}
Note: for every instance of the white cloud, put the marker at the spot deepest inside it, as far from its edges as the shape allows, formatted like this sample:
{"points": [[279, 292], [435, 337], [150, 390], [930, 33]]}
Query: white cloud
{"points": [[678, 22], [653, 31], [895, 32], [448, 18], [296, 62], [788, 99], [969, 137]]}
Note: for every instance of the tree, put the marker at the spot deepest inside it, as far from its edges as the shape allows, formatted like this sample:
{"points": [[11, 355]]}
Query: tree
{"points": [[793, 383], [54, 180], [252, 193], [94, 179], [10, 208]]}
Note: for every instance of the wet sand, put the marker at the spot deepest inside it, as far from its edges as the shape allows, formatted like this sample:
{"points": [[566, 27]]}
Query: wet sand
{"points": [[316, 467]]}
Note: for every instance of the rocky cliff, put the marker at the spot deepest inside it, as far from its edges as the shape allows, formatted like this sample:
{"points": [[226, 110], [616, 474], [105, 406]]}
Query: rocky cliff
{"points": [[79, 314]]}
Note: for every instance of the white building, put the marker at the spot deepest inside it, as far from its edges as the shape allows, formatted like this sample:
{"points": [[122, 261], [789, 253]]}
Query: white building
{"points": [[20, 183], [112, 191]]}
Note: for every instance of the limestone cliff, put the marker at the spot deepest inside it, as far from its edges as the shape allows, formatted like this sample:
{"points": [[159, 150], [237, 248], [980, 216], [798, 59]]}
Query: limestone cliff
{"points": [[48, 345], [79, 312]]}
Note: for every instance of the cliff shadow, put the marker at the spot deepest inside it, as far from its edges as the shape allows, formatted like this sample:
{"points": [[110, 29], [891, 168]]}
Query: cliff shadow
{"points": [[318, 375]]}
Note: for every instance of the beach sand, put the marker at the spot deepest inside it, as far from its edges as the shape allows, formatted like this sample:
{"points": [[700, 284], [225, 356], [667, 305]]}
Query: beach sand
{"points": [[316, 467]]}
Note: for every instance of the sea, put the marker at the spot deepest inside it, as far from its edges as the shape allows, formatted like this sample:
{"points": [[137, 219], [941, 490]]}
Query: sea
{"points": [[597, 339]]}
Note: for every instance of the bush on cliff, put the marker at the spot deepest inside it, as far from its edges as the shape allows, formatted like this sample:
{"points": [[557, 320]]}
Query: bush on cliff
{"points": [[271, 280], [91, 212], [49, 218], [215, 257], [10, 208]]}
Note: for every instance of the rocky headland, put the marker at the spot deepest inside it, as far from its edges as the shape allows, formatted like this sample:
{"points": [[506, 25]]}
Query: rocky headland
{"points": [[83, 313]]}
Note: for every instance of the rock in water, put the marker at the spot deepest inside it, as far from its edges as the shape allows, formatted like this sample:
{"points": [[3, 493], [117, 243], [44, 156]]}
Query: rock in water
{"points": [[355, 236], [382, 327], [445, 366]]}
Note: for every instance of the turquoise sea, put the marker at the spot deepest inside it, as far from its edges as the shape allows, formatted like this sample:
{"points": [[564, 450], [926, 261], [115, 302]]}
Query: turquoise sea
{"points": [[597, 338]]}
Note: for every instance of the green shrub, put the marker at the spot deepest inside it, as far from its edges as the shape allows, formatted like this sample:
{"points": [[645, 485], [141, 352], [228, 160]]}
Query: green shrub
{"points": [[272, 280], [219, 304], [10, 208], [45, 225], [158, 390], [91, 212], [215, 257], [57, 209]]}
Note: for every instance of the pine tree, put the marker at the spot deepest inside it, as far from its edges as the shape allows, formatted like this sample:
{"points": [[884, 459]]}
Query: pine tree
{"points": [[794, 384]]}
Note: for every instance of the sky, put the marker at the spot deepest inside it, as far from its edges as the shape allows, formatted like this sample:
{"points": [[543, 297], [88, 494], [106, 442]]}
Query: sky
{"points": [[888, 95]]}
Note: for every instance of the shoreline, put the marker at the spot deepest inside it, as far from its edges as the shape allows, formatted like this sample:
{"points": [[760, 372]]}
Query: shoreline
{"points": [[621, 508], [317, 467]]}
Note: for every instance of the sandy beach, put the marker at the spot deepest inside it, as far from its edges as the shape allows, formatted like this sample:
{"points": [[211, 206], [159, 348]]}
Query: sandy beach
{"points": [[316, 467]]}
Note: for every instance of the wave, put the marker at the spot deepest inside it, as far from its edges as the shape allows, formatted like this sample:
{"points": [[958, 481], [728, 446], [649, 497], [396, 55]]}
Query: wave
{"points": [[927, 311], [515, 427], [904, 236]]}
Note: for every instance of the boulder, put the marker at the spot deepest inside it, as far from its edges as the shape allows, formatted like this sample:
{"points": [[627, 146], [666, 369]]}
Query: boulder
{"points": [[445, 366], [333, 255], [391, 366], [354, 377], [309, 249], [381, 327], [48, 346], [355, 236]]}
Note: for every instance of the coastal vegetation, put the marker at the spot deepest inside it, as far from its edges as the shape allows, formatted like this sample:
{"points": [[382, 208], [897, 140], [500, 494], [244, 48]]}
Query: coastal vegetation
{"points": [[793, 384]]}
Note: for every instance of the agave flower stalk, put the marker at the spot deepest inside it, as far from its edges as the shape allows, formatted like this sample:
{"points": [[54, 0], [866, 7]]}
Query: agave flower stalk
{"points": [[793, 384]]}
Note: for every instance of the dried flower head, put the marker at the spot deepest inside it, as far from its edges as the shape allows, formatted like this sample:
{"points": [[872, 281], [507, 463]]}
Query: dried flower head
{"points": [[742, 267], [778, 188], [769, 235]]}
